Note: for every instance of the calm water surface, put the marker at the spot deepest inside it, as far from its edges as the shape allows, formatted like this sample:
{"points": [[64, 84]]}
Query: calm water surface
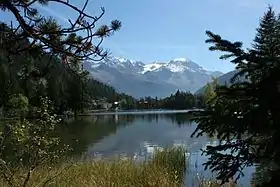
{"points": [[136, 135]]}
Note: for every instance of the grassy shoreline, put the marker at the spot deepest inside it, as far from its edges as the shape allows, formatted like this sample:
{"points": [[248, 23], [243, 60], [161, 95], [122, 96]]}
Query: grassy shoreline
{"points": [[167, 168]]}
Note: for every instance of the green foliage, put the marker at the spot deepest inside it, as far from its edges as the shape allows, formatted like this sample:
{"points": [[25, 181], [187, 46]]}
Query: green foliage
{"points": [[42, 58], [245, 116], [179, 100], [209, 92], [17, 105], [29, 144], [36, 75], [101, 90], [18, 101], [174, 159], [40, 62]]}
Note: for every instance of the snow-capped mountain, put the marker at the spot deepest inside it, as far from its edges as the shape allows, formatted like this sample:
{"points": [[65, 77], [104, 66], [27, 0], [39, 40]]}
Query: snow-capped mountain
{"points": [[176, 66], [155, 79]]}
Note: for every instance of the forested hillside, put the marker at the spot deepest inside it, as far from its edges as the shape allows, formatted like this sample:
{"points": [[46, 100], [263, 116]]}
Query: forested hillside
{"points": [[176, 101], [225, 79], [34, 74]]}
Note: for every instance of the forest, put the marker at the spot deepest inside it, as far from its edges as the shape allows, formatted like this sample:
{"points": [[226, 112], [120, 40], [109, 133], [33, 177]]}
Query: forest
{"points": [[27, 76], [177, 101]]}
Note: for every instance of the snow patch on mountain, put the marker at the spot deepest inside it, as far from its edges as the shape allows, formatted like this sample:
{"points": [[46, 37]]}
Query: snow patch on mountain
{"points": [[180, 59], [121, 59], [176, 68], [155, 79], [94, 65], [152, 67], [177, 65]]}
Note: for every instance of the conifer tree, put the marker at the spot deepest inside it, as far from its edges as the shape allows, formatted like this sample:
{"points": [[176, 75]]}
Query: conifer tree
{"points": [[209, 92], [80, 39], [265, 43], [245, 116]]}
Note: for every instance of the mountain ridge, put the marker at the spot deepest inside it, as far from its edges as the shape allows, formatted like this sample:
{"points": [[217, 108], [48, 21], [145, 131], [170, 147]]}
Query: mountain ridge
{"points": [[224, 79], [141, 79], [174, 65]]}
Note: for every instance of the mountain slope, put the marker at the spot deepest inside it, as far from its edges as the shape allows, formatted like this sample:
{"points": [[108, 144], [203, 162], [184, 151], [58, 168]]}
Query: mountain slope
{"points": [[222, 80], [157, 79]]}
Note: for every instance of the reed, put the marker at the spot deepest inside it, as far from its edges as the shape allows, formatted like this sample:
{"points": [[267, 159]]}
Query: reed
{"points": [[166, 168]]}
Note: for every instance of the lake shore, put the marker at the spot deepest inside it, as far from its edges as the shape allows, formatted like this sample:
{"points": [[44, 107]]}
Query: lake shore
{"points": [[166, 168], [135, 112]]}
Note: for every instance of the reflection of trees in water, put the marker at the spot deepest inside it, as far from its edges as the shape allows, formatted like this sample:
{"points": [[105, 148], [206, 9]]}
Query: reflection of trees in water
{"points": [[179, 118], [82, 132]]}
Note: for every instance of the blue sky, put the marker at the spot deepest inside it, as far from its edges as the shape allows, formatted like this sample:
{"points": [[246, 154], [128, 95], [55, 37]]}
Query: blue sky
{"points": [[160, 30]]}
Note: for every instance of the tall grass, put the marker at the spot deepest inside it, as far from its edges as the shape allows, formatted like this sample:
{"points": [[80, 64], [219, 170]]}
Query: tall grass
{"points": [[174, 160], [165, 169]]}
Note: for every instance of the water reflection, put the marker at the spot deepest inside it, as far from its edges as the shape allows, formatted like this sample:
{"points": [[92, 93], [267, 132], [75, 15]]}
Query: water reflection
{"points": [[85, 131], [81, 132], [136, 136]]}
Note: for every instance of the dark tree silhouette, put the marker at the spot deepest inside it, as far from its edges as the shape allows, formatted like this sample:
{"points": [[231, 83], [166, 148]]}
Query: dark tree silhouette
{"points": [[245, 116], [45, 33]]}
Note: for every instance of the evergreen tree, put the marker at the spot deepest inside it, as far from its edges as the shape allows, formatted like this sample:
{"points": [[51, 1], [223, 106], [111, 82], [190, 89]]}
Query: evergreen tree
{"points": [[209, 92], [245, 116], [45, 33], [266, 44], [263, 42]]}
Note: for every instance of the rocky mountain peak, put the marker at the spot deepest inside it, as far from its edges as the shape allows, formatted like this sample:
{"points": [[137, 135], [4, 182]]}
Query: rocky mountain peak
{"points": [[150, 79]]}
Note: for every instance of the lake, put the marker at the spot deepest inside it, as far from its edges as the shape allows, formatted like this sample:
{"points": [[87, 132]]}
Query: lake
{"points": [[136, 134]]}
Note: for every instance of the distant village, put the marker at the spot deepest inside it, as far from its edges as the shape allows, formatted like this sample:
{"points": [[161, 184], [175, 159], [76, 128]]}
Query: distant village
{"points": [[99, 105], [103, 104]]}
